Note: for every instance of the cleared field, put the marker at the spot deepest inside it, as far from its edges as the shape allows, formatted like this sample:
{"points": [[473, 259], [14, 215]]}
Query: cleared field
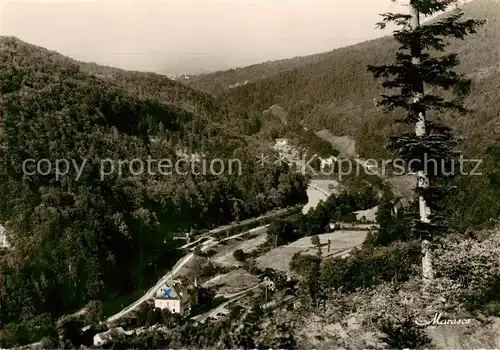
{"points": [[339, 239], [345, 144], [225, 257], [279, 258], [314, 197], [232, 282]]}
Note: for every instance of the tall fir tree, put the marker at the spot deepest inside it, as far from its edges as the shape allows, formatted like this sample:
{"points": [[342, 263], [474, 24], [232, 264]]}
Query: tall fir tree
{"points": [[427, 85]]}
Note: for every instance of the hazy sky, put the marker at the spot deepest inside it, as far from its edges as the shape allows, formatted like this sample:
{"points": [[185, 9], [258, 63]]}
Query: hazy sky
{"points": [[191, 36]]}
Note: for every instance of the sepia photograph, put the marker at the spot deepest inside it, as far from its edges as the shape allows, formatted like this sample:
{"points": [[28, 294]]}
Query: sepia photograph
{"points": [[238, 174]]}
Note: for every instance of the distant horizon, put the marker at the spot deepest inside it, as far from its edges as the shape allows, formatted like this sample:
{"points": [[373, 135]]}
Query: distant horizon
{"points": [[202, 36], [200, 70]]}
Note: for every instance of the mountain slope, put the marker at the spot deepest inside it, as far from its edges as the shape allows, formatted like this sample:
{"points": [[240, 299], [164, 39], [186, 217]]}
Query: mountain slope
{"points": [[90, 228], [160, 88], [334, 91], [478, 52], [338, 93]]}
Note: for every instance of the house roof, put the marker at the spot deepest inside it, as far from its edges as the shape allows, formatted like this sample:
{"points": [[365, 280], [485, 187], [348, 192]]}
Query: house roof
{"points": [[173, 291]]}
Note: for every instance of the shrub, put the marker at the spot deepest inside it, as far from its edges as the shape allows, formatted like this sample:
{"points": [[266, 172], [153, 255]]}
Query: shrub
{"points": [[49, 343], [210, 253], [197, 250], [260, 250], [474, 264], [28, 331], [281, 232], [369, 240], [276, 335], [251, 268], [94, 312], [403, 334], [168, 319], [142, 314], [366, 267], [69, 329], [153, 317], [302, 264], [239, 255], [315, 241], [209, 269]]}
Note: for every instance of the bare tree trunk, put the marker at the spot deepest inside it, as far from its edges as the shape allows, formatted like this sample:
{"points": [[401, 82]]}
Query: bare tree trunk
{"points": [[420, 130], [420, 127], [1, 115]]}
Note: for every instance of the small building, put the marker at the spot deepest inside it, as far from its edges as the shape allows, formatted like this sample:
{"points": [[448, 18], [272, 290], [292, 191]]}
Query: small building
{"points": [[333, 226], [268, 283], [101, 338], [281, 142], [330, 162], [174, 297]]}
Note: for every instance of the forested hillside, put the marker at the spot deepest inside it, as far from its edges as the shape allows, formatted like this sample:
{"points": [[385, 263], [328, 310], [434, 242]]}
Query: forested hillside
{"points": [[335, 91], [225, 80], [83, 236], [160, 88], [360, 269]]}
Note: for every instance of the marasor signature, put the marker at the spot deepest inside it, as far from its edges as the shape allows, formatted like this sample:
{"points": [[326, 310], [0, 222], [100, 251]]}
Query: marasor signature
{"points": [[436, 320]]}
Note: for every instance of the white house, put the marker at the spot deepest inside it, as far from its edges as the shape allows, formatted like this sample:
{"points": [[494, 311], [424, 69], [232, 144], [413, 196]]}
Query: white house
{"points": [[174, 297]]}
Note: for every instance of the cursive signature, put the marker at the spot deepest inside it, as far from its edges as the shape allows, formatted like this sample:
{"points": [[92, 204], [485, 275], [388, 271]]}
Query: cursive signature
{"points": [[438, 321]]}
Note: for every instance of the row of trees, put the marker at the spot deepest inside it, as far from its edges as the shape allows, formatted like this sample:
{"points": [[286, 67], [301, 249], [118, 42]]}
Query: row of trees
{"points": [[339, 208]]}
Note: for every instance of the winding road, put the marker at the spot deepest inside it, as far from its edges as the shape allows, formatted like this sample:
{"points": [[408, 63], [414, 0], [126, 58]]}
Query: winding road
{"points": [[211, 242], [180, 264]]}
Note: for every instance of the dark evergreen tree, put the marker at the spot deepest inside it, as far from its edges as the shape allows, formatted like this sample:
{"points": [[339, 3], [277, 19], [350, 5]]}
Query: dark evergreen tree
{"points": [[394, 224], [239, 255], [427, 85]]}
